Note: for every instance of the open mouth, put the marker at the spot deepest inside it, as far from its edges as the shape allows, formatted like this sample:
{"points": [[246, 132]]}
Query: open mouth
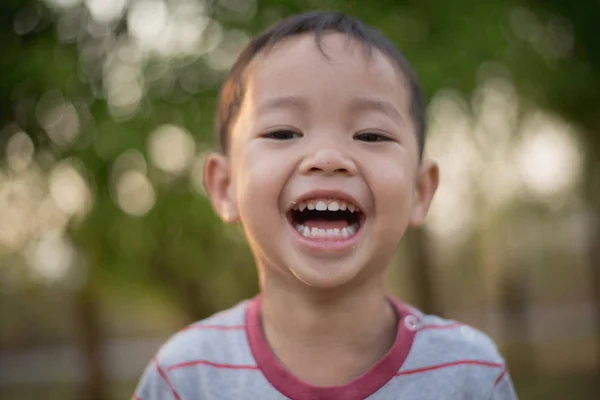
{"points": [[329, 219]]}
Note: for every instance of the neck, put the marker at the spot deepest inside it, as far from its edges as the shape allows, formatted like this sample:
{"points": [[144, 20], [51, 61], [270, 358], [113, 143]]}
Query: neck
{"points": [[353, 327], [314, 316]]}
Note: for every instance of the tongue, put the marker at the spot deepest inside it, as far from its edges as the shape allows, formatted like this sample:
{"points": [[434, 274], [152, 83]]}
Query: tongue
{"points": [[325, 224]]}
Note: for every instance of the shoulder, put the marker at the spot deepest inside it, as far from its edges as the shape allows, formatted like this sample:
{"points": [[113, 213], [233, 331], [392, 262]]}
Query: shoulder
{"points": [[220, 338], [458, 340], [217, 342], [457, 353]]}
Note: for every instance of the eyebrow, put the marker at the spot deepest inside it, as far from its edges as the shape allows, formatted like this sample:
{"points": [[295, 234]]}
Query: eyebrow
{"points": [[362, 104], [284, 102], [356, 105]]}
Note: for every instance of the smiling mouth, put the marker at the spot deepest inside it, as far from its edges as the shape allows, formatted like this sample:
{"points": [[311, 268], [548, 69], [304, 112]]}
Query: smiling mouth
{"points": [[326, 219]]}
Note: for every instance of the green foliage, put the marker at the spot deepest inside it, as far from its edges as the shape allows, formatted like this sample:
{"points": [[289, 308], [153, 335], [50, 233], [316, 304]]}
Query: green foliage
{"points": [[179, 243], [178, 252]]}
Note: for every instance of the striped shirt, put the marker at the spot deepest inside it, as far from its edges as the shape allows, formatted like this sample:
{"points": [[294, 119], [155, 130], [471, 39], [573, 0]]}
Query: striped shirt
{"points": [[227, 357]]}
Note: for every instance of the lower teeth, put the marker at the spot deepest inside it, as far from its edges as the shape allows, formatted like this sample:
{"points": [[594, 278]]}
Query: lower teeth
{"points": [[336, 233]]}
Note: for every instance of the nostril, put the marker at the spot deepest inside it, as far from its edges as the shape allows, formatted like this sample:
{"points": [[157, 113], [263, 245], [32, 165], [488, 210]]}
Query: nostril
{"points": [[335, 171], [327, 161]]}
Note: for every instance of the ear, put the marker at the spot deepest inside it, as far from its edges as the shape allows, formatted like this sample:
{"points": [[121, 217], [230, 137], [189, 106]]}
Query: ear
{"points": [[427, 180], [218, 185]]}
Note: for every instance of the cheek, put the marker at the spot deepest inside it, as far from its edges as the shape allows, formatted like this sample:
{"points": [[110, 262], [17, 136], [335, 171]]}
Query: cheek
{"points": [[393, 192], [259, 181]]}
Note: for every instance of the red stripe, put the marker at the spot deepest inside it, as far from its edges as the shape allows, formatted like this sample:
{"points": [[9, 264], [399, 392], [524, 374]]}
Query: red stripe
{"points": [[166, 378], [136, 397], [449, 364], [447, 326], [217, 327], [210, 364], [500, 376]]}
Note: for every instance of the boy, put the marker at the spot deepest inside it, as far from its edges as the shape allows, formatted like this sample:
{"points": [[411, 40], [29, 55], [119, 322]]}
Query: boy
{"points": [[321, 124]]}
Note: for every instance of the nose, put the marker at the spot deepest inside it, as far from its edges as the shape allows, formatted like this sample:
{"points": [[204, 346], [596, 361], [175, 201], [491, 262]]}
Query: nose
{"points": [[328, 162]]}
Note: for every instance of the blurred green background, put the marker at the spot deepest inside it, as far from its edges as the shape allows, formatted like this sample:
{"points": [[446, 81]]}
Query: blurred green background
{"points": [[108, 244]]}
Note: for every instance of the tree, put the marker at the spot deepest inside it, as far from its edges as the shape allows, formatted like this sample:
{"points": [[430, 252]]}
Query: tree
{"points": [[126, 96]]}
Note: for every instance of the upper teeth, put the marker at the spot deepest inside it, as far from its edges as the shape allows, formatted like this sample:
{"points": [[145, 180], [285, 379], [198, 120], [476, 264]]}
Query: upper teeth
{"points": [[325, 205]]}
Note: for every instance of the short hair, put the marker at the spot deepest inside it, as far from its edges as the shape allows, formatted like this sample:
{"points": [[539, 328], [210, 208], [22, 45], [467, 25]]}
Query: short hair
{"points": [[232, 91]]}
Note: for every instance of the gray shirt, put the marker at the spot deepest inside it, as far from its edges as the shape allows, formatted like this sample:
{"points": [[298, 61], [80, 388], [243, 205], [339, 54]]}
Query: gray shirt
{"points": [[227, 357]]}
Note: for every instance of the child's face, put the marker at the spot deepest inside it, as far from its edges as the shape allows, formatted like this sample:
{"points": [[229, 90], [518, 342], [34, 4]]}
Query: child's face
{"points": [[318, 132]]}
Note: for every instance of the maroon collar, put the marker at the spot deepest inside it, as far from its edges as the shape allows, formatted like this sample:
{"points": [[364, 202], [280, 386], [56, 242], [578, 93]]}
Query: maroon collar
{"points": [[360, 388]]}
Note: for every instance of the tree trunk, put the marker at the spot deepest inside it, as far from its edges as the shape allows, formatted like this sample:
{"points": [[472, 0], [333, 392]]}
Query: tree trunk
{"points": [[515, 311], [423, 272], [593, 194], [189, 294], [594, 265], [90, 343]]}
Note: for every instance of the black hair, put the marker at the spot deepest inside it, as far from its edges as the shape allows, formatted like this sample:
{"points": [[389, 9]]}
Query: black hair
{"points": [[232, 91]]}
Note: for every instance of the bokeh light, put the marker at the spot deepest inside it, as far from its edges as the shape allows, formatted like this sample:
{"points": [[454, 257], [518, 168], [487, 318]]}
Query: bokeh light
{"points": [[171, 148], [197, 173], [104, 220], [147, 19], [134, 193], [487, 175], [59, 118], [19, 151], [63, 4], [550, 159], [68, 188], [106, 11], [51, 257]]}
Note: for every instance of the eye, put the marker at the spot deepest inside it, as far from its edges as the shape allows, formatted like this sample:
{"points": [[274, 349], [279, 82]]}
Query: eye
{"points": [[282, 135], [372, 137]]}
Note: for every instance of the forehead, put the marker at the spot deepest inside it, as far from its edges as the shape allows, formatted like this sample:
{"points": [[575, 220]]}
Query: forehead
{"points": [[337, 64]]}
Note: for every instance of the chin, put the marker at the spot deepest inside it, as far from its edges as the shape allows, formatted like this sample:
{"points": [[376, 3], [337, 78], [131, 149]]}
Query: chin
{"points": [[327, 273]]}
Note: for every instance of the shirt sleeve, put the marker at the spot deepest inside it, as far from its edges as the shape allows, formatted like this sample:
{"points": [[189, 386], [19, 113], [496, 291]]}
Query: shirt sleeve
{"points": [[155, 384], [504, 388]]}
